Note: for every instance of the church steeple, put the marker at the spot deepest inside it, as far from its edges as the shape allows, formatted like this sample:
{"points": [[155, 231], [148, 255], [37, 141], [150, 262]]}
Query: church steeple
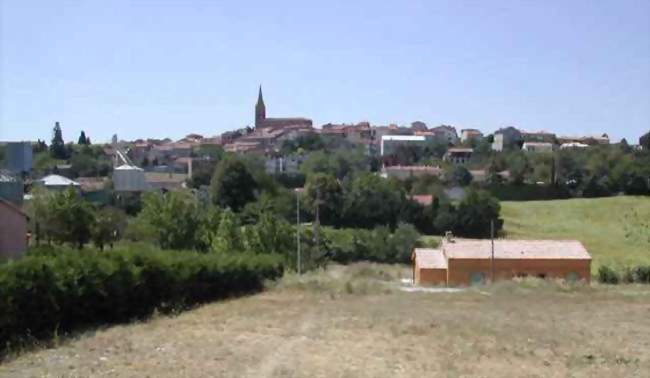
{"points": [[260, 110]]}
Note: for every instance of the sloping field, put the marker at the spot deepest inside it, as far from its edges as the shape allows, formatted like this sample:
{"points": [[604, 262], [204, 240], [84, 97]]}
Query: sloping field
{"points": [[353, 322], [615, 230]]}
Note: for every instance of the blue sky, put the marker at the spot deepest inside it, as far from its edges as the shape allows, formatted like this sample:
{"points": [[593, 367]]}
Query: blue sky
{"points": [[168, 68]]}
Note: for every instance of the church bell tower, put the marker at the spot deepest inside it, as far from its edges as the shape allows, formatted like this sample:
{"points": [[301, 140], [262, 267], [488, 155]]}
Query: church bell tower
{"points": [[260, 110]]}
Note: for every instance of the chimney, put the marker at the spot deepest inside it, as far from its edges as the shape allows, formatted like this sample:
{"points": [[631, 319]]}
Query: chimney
{"points": [[449, 237]]}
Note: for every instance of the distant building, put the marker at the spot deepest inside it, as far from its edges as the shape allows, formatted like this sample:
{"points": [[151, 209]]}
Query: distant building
{"points": [[261, 121], [19, 156], [569, 145], [418, 126], [469, 135], [56, 182], [403, 172], [129, 178], [389, 143], [11, 187], [13, 233], [462, 262], [508, 137], [284, 165], [458, 155], [422, 199], [445, 133], [589, 140], [538, 137], [537, 147]]}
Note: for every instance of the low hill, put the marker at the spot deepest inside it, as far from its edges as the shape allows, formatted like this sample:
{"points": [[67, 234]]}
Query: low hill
{"points": [[615, 230]]}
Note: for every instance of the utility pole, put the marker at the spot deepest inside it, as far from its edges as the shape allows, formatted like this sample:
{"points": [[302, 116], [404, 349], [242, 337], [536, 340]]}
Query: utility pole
{"points": [[317, 222], [298, 262], [492, 243]]}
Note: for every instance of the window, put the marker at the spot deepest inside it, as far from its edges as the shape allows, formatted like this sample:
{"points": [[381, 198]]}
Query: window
{"points": [[477, 278]]}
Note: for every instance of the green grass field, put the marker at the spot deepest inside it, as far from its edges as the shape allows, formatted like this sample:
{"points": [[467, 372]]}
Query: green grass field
{"points": [[615, 230]]}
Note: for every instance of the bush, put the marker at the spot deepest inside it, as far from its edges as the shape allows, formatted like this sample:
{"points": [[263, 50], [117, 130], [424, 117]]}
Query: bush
{"points": [[58, 290], [608, 275], [377, 245]]}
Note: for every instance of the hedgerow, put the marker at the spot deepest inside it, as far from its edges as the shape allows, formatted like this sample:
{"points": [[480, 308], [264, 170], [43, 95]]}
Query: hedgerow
{"points": [[637, 274], [54, 291]]}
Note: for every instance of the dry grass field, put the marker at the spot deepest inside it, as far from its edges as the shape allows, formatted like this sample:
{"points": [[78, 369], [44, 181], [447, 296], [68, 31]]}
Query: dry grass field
{"points": [[355, 322]]}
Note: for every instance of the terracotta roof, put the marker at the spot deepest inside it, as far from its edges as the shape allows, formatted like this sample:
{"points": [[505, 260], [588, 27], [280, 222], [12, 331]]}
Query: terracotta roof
{"points": [[423, 199], [515, 249], [430, 258]]}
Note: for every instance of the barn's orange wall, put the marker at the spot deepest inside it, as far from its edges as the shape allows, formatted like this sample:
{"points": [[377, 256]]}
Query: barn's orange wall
{"points": [[460, 270]]}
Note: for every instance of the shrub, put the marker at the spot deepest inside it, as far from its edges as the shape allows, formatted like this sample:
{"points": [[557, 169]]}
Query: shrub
{"points": [[608, 275], [377, 245], [59, 290]]}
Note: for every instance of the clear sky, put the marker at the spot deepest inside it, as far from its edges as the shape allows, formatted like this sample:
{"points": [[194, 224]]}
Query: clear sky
{"points": [[169, 68]]}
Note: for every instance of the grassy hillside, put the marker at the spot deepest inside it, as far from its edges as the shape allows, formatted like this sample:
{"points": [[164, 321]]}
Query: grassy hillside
{"points": [[615, 230]]}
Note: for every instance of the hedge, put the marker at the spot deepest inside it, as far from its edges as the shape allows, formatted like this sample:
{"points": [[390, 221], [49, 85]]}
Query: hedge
{"points": [[637, 274], [55, 291]]}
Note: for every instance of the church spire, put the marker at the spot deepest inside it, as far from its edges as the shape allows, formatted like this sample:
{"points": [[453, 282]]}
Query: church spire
{"points": [[260, 110], [260, 99]]}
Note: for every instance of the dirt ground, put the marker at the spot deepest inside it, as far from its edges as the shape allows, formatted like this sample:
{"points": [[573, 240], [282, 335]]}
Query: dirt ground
{"points": [[354, 322]]}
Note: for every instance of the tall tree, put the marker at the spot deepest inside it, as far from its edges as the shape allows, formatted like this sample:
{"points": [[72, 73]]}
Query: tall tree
{"points": [[233, 185], [82, 138], [57, 147]]}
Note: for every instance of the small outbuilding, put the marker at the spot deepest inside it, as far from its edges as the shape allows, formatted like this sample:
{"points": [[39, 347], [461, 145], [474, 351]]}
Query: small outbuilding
{"points": [[473, 261], [13, 230]]}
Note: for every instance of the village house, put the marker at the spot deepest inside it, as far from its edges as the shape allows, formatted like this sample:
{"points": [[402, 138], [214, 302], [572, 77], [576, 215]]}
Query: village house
{"points": [[589, 140], [463, 262], [390, 143], [537, 147], [403, 172], [445, 133], [13, 233], [57, 182], [506, 137], [538, 137], [458, 155], [469, 135]]}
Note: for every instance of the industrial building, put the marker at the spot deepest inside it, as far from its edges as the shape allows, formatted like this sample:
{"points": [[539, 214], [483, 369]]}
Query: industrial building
{"points": [[129, 178], [463, 262], [19, 157]]}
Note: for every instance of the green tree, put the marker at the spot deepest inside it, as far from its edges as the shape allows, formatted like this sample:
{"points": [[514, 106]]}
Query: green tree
{"points": [[108, 227], [57, 146], [372, 201], [326, 192], [82, 138], [63, 217], [232, 185], [461, 176], [475, 212], [175, 217], [228, 236]]}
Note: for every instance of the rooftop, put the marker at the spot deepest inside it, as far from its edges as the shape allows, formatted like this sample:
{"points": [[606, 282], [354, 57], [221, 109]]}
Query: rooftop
{"points": [[515, 249], [56, 180], [413, 138], [430, 258]]}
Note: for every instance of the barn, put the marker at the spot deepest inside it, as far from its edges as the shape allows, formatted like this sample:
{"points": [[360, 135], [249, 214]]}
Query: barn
{"points": [[470, 261]]}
